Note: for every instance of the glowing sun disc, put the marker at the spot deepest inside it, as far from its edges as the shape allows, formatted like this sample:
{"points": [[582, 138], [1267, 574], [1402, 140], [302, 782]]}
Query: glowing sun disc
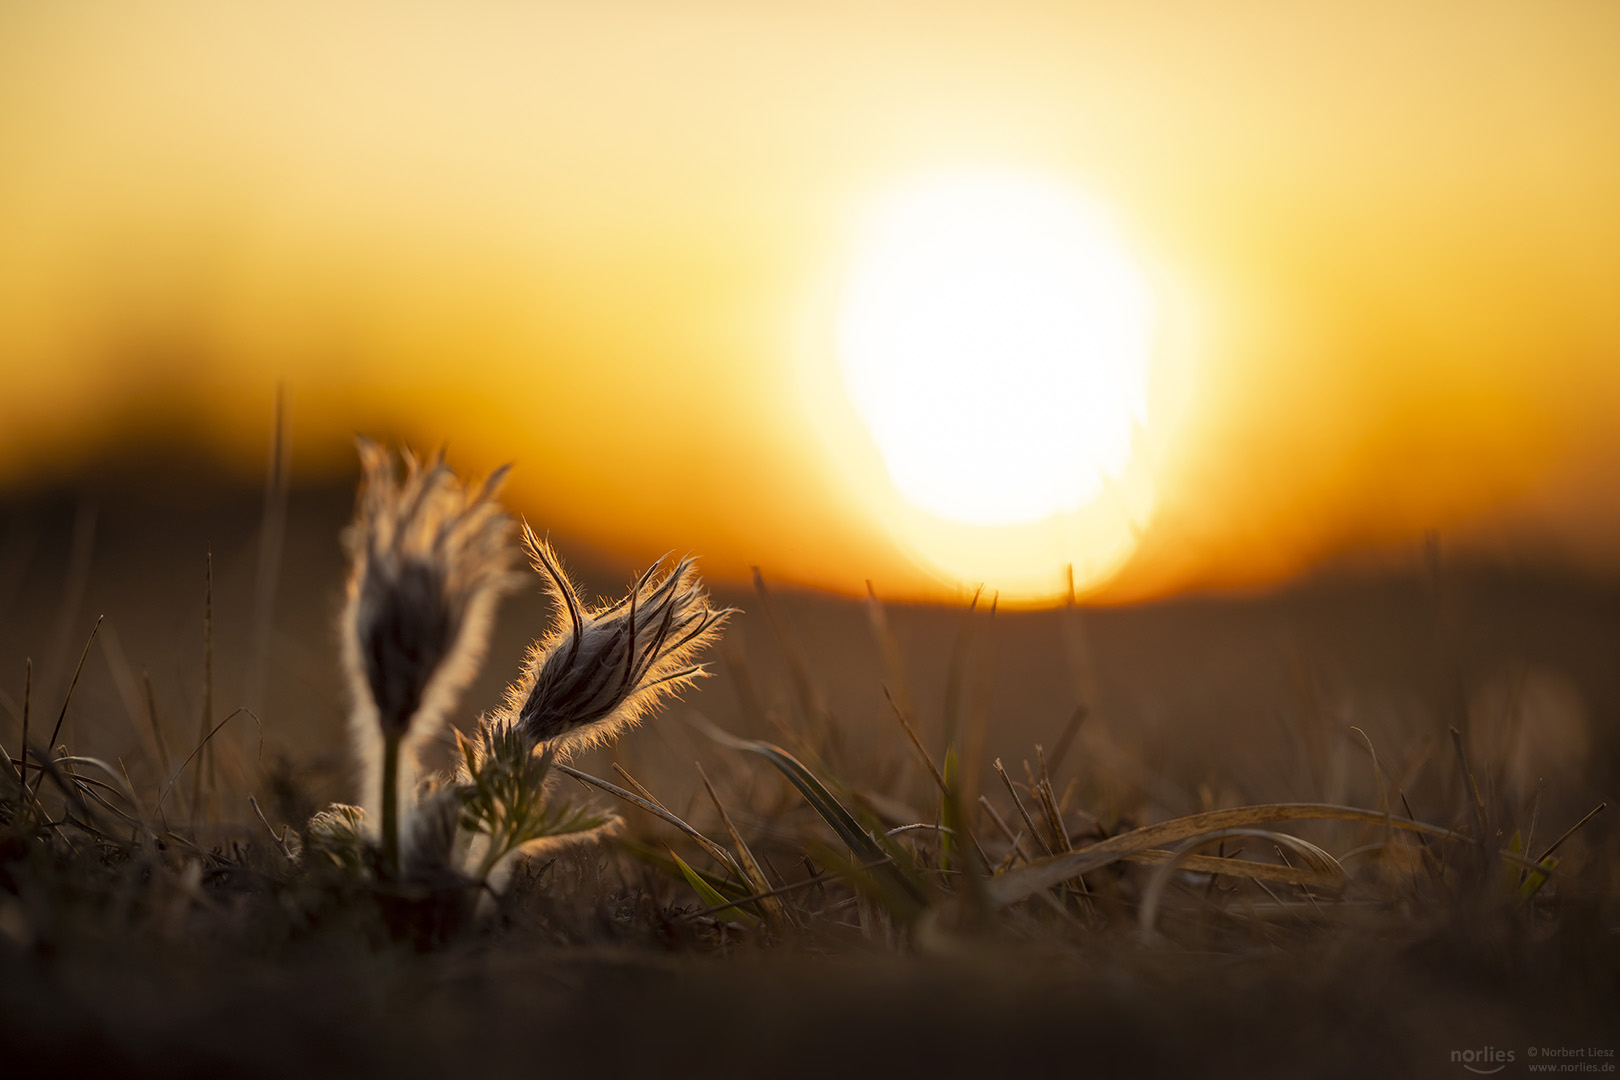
{"points": [[994, 338]]}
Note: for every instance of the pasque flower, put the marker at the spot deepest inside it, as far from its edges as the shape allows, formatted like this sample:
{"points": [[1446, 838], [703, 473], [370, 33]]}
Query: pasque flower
{"points": [[599, 670], [596, 672], [428, 559]]}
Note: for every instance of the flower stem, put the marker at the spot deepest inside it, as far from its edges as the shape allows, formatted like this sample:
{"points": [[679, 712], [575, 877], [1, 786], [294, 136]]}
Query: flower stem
{"points": [[390, 805]]}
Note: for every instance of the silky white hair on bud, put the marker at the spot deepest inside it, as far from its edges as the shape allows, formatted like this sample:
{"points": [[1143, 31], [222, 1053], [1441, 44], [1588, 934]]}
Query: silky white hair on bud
{"points": [[601, 670], [428, 559]]}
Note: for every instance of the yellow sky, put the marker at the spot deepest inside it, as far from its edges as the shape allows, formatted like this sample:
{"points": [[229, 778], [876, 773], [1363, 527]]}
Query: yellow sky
{"points": [[601, 240]]}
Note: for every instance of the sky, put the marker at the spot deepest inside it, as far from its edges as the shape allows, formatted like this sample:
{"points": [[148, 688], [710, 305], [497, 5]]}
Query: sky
{"points": [[606, 242]]}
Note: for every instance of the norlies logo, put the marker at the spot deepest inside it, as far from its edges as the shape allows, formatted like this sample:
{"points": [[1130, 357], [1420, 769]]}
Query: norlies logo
{"points": [[1484, 1061]]}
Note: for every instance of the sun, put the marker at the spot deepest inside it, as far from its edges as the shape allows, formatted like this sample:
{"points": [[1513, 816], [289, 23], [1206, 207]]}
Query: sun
{"points": [[995, 338]]}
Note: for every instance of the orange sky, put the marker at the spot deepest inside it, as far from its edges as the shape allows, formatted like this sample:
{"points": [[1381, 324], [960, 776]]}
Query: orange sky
{"points": [[601, 240]]}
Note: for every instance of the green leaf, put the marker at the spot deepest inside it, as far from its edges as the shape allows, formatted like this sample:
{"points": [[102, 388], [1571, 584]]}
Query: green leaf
{"points": [[746, 865], [731, 890], [1536, 879], [904, 896], [505, 797], [1512, 874], [706, 892]]}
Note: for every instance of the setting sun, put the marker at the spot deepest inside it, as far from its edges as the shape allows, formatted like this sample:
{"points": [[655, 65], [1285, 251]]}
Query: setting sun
{"points": [[1195, 300], [995, 340]]}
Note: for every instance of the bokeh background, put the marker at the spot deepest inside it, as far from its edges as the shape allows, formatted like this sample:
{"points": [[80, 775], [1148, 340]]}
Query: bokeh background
{"points": [[606, 241]]}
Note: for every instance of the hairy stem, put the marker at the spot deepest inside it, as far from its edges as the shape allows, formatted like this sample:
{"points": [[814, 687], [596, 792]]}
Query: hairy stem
{"points": [[390, 805], [495, 854]]}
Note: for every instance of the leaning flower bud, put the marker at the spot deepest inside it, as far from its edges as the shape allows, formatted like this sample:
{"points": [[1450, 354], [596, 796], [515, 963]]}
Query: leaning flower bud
{"points": [[599, 671]]}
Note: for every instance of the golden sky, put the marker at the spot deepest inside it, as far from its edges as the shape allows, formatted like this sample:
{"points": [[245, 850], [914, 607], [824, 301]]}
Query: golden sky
{"points": [[605, 240]]}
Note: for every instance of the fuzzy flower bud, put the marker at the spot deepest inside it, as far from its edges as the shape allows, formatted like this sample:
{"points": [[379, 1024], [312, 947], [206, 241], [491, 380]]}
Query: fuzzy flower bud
{"points": [[428, 560], [601, 670]]}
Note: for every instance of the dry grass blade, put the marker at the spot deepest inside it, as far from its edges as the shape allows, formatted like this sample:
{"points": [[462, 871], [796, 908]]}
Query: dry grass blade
{"points": [[204, 765], [72, 684], [775, 916], [970, 745], [1378, 773], [1016, 885], [657, 810], [916, 742], [31, 802], [1476, 802], [272, 539], [75, 581], [956, 670], [28, 696], [48, 769], [893, 664], [1029, 822], [1241, 868], [129, 692], [783, 890], [152, 719], [903, 895], [815, 792], [1049, 806], [1054, 822], [1383, 791], [243, 711], [1060, 749], [1013, 841], [1330, 874], [88, 786], [637, 786], [1572, 830], [119, 785], [1429, 860], [804, 687], [281, 840]]}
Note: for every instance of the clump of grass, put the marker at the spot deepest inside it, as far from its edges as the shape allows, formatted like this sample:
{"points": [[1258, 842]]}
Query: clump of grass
{"points": [[1062, 871]]}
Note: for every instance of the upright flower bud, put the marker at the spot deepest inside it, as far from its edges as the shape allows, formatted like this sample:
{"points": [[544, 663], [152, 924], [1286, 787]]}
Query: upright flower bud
{"points": [[428, 559]]}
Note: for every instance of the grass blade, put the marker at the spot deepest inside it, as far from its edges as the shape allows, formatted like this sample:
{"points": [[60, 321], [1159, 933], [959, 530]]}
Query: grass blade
{"points": [[1331, 874], [1018, 884], [907, 897], [719, 853], [710, 896], [775, 917]]}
